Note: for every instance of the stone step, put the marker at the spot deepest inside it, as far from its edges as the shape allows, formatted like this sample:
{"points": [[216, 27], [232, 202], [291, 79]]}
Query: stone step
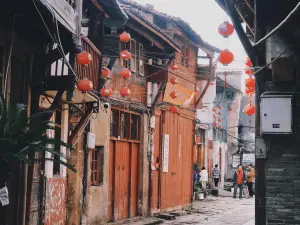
{"points": [[166, 216], [179, 213]]}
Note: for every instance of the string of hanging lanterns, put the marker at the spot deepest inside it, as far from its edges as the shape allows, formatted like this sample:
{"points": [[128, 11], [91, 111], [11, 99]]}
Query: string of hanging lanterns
{"points": [[249, 109], [84, 59]]}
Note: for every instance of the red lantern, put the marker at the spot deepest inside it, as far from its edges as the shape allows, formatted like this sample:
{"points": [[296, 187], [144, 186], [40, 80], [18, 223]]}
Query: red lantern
{"points": [[220, 127], [219, 113], [249, 71], [212, 84], [214, 109], [126, 55], [226, 29], [226, 57], [173, 94], [125, 92], [214, 124], [173, 109], [214, 116], [249, 109], [220, 107], [174, 80], [106, 92], [249, 91], [248, 62], [125, 37], [219, 120], [85, 85], [105, 72], [250, 83], [125, 73], [84, 58], [174, 67]]}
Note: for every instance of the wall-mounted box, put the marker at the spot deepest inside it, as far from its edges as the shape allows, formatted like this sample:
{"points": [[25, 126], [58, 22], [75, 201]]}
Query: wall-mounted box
{"points": [[276, 113]]}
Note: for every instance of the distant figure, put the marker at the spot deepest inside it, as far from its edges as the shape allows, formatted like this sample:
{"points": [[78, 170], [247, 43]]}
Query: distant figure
{"points": [[216, 175], [195, 177], [203, 177], [250, 176], [239, 179]]}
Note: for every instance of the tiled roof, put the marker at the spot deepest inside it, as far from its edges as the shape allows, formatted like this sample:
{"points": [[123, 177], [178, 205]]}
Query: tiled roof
{"points": [[184, 26], [113, 7], [140, 15]]}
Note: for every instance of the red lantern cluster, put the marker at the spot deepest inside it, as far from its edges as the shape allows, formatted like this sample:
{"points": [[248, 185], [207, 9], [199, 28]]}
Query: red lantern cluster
{"points": [[226, 57], [249, 71], [248, 62], [84, 58], [226, 29], [249, 109], [85, 85]]}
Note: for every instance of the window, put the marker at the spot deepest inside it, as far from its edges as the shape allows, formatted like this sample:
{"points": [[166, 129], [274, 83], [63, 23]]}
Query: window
{"points": [[113, 123], [133, 55], [97, 163], [125, 125], [141, 61], [185, 56], [134, 131]]}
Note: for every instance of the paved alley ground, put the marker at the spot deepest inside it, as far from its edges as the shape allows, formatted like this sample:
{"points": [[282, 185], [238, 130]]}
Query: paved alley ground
{"points": [[216, 211]]}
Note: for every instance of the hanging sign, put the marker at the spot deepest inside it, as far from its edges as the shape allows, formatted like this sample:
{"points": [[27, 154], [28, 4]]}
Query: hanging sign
{"points": [[248, 158], [166, 142]]}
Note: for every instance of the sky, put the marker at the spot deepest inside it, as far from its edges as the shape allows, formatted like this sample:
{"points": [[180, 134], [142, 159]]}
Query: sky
{"points": [[204, 16]]}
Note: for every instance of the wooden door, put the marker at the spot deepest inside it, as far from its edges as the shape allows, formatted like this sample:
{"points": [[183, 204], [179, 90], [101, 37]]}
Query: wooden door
{"points": [[123, 179]]}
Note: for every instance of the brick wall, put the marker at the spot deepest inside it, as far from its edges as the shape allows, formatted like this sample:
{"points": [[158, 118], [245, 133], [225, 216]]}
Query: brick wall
{"points": [[283, 183]]}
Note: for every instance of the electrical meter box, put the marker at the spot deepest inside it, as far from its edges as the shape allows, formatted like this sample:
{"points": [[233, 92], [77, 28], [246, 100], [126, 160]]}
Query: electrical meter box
{"points": [[276, 113], [91, 140]]}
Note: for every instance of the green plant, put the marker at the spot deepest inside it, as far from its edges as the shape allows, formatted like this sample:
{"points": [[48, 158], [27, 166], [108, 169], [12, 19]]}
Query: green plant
{"points": [[196, 167], [21, 136]]}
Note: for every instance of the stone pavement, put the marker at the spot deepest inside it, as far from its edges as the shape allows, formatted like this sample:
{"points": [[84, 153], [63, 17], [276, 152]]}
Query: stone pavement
{"points": [[216, 211]]}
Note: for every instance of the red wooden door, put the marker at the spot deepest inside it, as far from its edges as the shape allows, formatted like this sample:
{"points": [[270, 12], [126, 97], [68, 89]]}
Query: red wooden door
{"points": [[123, 179]]}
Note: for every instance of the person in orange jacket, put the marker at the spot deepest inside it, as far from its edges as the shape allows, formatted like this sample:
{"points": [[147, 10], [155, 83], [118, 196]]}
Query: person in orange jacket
{"points": [[239, 179], [250, 180]]}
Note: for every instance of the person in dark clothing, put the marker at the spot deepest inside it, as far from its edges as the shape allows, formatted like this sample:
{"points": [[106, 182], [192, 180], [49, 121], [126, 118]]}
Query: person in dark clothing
{"points": [[250, 180], [216, 175]]}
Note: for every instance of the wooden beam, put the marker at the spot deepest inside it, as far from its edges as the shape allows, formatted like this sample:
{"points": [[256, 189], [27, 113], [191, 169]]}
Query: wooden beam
{"points": [[159, 93], [56, 100], [240, 31], [249, 6], [244, 20], [80, 127], [100, 8], [202, 94]]}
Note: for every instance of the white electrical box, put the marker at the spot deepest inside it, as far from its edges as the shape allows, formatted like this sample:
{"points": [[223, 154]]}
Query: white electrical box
{"points": [[276, 113], [91, 140]]}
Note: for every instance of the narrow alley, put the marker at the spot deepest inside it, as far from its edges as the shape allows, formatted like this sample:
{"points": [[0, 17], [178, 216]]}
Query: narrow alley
{"points": [[213, 210]]}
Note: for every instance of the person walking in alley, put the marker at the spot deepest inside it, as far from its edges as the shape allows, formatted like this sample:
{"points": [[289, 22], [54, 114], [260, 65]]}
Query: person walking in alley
{"points": [[203, 177], [239, 179], [250, 180], [216, 175]]}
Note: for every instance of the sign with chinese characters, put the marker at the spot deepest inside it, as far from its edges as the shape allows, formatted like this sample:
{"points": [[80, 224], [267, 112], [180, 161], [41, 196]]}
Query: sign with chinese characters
{"points": [[248, 158], [166, 142]]}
